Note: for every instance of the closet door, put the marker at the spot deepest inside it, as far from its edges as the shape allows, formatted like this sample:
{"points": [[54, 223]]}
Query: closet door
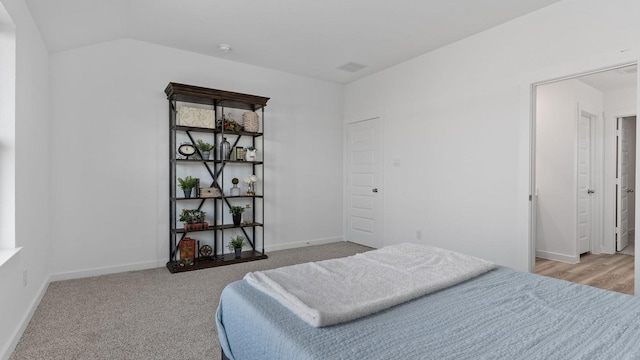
{"points": [[364, 183], [622, 185]]}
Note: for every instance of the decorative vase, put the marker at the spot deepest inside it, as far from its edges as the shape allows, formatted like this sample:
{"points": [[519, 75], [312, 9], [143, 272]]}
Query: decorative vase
{"points": [[225, 149], [237, 218], [250, 155], [235, 190], [250, 121], [251, 189], [187, 193], [205, 155], [247, 215], [238, 252]]}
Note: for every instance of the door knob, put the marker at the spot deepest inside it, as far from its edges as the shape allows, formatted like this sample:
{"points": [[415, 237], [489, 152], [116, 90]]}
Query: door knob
{"points": [[374, 190], [590, 191], [629, 190]]}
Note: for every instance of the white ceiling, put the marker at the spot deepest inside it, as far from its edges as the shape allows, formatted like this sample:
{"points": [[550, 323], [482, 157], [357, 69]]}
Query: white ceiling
{"points": [[622, 78], [305, 37]]}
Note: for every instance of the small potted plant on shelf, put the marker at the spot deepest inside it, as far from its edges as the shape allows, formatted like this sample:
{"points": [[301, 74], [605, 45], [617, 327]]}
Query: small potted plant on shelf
{"points": [[236, 212], [250, 153], [193, 220], [187, 184], [205, 149], [236, 244]]}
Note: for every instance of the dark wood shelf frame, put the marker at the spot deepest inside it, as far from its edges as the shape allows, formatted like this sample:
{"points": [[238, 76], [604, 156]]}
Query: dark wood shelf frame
{"points": [[217, 227], [218, 197], [211, 261], [202, 95]]}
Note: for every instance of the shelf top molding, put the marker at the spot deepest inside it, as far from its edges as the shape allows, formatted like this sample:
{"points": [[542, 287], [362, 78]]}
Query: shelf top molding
{"points": [[201, 95]]}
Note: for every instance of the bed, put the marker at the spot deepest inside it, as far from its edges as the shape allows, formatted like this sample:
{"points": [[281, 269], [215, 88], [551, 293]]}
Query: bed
{"points": [[500, 314]]}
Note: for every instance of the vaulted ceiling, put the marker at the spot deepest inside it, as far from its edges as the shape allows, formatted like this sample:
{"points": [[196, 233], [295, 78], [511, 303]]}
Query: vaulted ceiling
{"points": [[304, 37]]}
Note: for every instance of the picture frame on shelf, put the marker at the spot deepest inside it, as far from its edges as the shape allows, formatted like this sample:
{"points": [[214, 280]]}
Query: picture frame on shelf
{"points": [[239, 152]]}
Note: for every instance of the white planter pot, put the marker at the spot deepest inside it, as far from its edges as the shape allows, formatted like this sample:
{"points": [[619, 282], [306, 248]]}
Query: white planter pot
{"points": [[250, 155]]}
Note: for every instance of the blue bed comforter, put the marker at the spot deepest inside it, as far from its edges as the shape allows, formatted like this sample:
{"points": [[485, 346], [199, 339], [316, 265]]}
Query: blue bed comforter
{"points": [[502, 314]]}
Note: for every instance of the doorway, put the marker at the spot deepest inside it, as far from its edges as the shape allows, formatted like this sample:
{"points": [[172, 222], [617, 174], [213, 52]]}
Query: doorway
{"points": [[574, 192]]}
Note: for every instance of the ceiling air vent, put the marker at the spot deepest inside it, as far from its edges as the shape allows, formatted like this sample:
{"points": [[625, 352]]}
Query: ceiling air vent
{"points": [[351, 67]]}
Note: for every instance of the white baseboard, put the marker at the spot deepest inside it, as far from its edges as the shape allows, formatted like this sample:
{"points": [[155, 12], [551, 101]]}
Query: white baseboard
{"points": [[15, 338], [303, 244], [570, 259], [160, 263], [106, 270]]}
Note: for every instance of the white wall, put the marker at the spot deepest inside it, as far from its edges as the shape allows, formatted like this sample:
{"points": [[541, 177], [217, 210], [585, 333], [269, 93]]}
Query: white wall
{"points": [[32, 187], [110, 163], [556, 165], [459, 117], [620, 102], [7, 133]]}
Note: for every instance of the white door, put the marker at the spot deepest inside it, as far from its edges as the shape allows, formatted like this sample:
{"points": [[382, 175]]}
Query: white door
{"points": [[622, 185], [584, 184], [364, 183]]}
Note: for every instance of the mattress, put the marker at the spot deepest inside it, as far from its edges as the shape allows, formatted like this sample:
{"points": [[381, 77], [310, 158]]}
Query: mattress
{"points": [[502, 314]]}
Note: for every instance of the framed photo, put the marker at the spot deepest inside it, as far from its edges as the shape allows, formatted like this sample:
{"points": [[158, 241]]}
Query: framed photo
{"points": [[239, 151]]}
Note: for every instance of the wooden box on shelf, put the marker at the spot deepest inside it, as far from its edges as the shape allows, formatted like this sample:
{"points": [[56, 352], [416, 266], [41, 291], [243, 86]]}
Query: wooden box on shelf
{"points": [[196, 226], [209, 192], [195, 117]]}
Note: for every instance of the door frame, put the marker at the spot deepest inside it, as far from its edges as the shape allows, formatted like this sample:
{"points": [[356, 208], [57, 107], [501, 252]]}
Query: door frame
{"points": [[532, 81]]}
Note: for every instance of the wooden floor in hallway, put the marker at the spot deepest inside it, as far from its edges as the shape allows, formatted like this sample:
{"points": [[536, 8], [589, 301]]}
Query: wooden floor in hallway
{"points": [[605, 271]]}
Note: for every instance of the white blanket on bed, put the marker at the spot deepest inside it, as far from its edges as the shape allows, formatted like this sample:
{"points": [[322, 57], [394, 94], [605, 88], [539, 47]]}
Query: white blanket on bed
{"points": [[338, 290]]}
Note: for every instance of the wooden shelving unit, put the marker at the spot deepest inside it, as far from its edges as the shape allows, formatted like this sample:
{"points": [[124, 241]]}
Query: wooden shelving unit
{"points": [[216, 172]]}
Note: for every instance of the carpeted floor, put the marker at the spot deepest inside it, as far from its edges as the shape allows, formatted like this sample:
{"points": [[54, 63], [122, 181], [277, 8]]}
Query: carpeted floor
{"points": [[149, 314]]}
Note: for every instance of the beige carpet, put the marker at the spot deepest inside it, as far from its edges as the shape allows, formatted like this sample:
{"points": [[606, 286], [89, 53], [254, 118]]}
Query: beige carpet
{"points": [[149, 314]]}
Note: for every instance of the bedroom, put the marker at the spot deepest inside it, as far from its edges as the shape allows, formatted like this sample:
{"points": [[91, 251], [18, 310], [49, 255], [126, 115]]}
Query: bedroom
{"points": [[472, 143]]}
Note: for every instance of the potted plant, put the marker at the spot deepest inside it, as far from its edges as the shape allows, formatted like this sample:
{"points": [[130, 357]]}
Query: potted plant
{"points": [[250, 153], [187, 184], [205, 149], [236, 244], [193, 219], [236, 212]]}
